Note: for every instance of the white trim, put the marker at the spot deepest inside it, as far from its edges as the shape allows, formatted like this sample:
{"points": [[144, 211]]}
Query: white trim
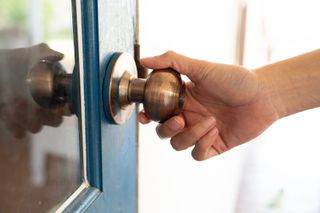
{"points": [[72, 197], [85, 184], [82, 101]]}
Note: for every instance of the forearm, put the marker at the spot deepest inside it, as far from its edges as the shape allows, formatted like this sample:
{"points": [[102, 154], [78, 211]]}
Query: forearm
{"points": [[292, 85]]}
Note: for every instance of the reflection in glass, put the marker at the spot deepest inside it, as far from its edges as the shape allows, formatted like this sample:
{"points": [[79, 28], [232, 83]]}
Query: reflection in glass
{"points": [[39, 147]]}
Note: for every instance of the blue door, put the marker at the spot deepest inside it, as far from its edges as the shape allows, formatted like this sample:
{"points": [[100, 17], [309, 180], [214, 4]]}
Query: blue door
{"points": [[109, 151], [81, 161]]}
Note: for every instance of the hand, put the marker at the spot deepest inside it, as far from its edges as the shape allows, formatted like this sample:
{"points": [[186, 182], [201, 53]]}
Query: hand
{"points": [[17, 109], [225, 106]]}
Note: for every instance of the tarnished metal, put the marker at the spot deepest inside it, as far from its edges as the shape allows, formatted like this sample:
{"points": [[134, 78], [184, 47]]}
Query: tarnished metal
{"points": [[136, 90], [162, 93], [49, 84], [142, 71], [122, 68]]}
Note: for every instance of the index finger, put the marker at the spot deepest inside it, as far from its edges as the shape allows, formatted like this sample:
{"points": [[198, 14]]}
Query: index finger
{"points": [[193, 68]]}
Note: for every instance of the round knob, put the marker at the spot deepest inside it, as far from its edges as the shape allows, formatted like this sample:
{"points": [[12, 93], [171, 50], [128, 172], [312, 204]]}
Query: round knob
{"points": [[162, 93], [49, 84]]}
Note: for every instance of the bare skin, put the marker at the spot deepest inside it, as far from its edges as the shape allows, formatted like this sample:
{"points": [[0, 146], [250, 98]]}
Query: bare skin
{"points": [[229, 105]]}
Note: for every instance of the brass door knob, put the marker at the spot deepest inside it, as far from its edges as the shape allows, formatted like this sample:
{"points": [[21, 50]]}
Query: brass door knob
{"points": [[161, 93], [49, 84]]}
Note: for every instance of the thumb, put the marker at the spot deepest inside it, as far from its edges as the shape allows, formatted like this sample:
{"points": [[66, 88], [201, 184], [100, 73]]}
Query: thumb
{"points": [[193, 68]]}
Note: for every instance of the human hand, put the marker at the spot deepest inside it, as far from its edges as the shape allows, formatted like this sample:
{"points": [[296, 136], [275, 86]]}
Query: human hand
{"points": [[225, 106], [18, 110]]}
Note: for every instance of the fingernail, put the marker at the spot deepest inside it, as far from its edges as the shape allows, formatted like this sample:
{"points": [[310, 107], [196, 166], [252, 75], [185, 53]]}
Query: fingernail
{"points": [[159, 133], [194, 153], [175, 125], [209, 122]]}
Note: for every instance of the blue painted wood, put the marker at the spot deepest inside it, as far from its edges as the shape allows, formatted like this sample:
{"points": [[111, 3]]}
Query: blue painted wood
{"points": [[119, 147], [75, 93], [106, 85], [107, 27], [92, 90]]}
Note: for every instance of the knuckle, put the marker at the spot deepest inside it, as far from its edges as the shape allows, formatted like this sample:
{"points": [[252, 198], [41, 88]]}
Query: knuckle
{"points": [[42, 44], [169, 53], [204, 143], [194, 134], [42, 47]]}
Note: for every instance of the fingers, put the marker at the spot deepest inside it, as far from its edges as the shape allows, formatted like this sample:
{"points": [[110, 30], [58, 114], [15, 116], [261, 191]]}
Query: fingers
{"points": [[208, 146], [49, 118], [203, 135], [22, 117], [193, 68], [143, 118], [203, 148], [26, 116], [171, 127], [191, 135], [48, 54], [168, 129], [43, 52]]}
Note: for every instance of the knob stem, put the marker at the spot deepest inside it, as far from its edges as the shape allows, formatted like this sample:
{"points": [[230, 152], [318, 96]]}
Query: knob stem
{"points": [[136, 90], [49, 84], [63, 86]]}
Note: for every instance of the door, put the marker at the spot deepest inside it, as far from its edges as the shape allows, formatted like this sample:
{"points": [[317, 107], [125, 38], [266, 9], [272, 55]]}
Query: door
{"points": [[103, 28], [62, 153]]}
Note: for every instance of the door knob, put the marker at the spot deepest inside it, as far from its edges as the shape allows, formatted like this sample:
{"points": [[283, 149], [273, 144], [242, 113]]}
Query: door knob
{"points": [[161, 93], [50, 85]]}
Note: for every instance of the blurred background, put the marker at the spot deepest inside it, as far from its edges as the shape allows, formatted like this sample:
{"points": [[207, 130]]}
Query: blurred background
{"points": [[276, 172]]}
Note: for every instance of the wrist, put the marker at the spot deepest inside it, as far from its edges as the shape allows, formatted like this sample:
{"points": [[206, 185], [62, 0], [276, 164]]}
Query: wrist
{"points": [[270, 93], [292, 85]]}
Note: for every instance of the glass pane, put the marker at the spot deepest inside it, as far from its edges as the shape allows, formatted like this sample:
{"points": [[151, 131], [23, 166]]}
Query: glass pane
{"points": [[39, 143]]}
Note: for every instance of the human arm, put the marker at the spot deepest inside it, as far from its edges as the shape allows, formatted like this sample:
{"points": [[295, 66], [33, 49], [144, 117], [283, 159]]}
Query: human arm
{"points": [[294, 84], [229, 105]]}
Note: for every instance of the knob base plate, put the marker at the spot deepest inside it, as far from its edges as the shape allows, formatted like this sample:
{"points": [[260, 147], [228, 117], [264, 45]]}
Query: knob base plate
{"points": [[121, 66]]}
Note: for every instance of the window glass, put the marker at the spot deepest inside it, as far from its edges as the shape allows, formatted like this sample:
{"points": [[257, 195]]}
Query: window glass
{"points": [[39, 145]]}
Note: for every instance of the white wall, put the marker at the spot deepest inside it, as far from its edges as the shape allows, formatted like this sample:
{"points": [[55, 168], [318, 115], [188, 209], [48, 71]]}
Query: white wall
{"points": [[171, 181], [281, 171]]}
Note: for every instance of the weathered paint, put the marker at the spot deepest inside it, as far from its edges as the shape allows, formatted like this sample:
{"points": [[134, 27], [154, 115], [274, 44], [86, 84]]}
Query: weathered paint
{"points": [[111, 150]]}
